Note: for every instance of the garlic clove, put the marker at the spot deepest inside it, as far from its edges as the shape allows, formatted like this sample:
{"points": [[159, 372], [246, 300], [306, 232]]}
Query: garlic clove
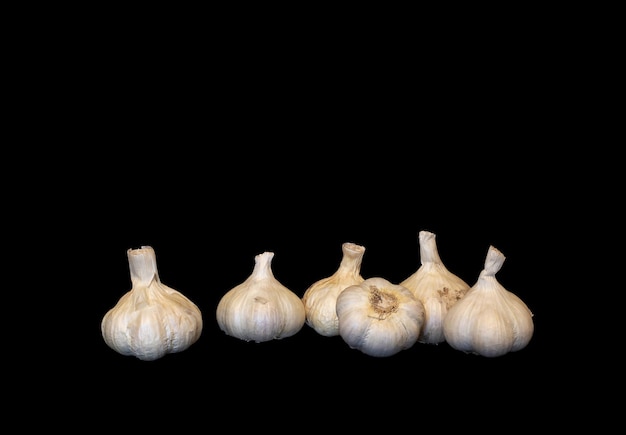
{"points": [[152, 319], [379, 318], [320, 298], [435, 287], [489, 320], [260, 308]]}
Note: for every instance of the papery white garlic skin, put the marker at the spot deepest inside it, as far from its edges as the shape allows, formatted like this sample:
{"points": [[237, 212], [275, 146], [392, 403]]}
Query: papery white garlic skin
{"points": [[260, 308], [435, 287], [489, 320], [379, 318], [320, 298], [152, 319]]}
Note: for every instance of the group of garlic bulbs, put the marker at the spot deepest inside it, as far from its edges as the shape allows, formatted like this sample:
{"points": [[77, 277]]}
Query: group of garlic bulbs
{"points": [[432, 305], [373, 315]]}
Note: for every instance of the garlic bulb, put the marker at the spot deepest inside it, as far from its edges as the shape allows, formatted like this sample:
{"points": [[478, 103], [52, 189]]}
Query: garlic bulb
{"points": [[379, 318], [489, 320], [260, 308], [152, 319], [435, 287], [320, 298]]}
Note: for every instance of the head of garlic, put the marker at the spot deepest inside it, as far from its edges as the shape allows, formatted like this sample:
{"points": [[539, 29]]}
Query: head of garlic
{"points": [[320, 298], [435, 287], [152, 319], [379, 318], [260, 308], [489, 320]]}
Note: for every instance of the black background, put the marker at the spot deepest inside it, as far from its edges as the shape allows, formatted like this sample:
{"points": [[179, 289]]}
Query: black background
{"points": [[213, 156], [208, 205]]}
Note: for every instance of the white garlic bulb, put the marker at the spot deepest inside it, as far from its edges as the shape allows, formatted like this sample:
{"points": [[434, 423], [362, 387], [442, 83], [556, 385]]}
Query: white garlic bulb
{"points": [[320, 298], [435, 287], [379, 318], [489, 320], [260, 308], [152, 319]]}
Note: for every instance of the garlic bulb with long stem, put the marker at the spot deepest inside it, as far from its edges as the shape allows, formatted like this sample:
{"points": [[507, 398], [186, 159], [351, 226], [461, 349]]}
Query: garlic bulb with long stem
{"points": [[379, 318], [260, 308], [435, 287], [152, 319], [489, 320], [320, 298]]}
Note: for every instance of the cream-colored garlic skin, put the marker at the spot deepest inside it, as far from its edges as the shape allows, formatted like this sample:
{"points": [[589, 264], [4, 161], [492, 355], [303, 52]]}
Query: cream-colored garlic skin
{"points": [[435, 287], [320, 298], [260, 308], [152, 319], [379, 318], [489, 320]]}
